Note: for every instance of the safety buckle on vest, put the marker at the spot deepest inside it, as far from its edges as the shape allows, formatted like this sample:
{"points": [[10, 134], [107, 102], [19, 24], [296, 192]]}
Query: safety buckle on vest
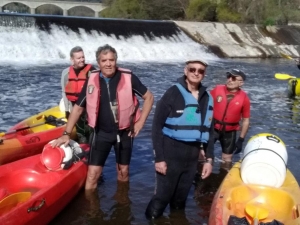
{"points": [[175, 127]]}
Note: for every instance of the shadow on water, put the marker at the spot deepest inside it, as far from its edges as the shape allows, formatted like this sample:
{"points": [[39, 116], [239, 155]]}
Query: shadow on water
{"points": [[91, 207]]}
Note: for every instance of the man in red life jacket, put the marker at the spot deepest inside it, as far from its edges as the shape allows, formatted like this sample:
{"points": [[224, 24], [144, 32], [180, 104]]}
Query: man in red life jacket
{"points": [[112, 108], [72, 80], [231, 104]]}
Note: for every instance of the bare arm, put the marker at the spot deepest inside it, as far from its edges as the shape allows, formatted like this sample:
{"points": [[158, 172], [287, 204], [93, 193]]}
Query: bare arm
{"points": [[74, 116], [245, 127], [63, 83], [147, 106]]}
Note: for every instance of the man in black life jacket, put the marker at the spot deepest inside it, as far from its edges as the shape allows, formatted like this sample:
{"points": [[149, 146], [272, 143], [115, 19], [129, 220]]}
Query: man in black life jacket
{"points": [[72, 80], [182, 123], [109, 97]]}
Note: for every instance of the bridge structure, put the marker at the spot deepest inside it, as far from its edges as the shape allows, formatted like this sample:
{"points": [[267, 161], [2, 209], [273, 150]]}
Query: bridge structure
{"points": [[64, 5]]}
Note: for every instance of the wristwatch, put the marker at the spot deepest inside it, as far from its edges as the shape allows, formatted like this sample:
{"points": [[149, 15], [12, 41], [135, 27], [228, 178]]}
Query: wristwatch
{"points": [[66, 133]]}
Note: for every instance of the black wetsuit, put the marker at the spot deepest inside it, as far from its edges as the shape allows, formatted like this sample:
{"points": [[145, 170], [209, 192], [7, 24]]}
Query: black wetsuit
{"points": [[181, 157]]}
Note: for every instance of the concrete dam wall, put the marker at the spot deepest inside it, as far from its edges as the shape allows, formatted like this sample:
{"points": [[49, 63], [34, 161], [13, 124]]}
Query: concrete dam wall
{"points": [[245, 41]]}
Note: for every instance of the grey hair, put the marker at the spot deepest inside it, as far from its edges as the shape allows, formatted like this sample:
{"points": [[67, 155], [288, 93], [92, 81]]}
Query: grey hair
{"points": [[105, 49], [75, 49]]}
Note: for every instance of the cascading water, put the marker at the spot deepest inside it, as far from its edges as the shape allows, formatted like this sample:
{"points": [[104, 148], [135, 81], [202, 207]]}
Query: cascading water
{"points": [[38, 39]]}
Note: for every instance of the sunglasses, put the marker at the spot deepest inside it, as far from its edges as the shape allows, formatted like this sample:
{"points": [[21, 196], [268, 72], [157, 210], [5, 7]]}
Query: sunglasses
{"points": [[233, 78], [199, 71]]}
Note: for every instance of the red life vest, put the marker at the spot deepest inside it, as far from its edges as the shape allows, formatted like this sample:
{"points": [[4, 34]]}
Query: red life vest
{"points": [[75, 83], [227, 114], [128, 105]]}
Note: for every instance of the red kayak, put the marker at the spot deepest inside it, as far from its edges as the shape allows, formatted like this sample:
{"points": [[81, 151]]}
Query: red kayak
{"points": [[32, 194], [28, 137]]}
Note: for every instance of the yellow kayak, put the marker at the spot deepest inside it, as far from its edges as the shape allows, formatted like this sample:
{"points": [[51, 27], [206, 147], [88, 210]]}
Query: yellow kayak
{"points": [[294, 87], [255, 202], [30, 135]]}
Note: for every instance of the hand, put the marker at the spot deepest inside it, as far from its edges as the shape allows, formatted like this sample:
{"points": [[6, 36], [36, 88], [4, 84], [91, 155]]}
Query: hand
{"points": [[206, 170], [202, 155], [67, 114], [238, 145], [161, 167], [137, 127], [65, 139]]}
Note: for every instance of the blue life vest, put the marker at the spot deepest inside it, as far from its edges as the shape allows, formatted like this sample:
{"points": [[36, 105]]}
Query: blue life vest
{"points": [[189, 127]]}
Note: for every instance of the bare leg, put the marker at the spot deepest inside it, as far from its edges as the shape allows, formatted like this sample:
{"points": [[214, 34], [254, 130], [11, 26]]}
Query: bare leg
{"points": [[93, 175], [226, 157], [123, 172], [227, 161]]}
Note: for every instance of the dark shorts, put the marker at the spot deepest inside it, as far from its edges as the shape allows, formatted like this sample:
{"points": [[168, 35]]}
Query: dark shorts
{"points": [[227, 140], [103, 144]]}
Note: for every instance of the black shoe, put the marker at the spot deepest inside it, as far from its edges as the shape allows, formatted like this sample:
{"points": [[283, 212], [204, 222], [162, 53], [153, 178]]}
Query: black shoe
{"points": [[152, 214]]}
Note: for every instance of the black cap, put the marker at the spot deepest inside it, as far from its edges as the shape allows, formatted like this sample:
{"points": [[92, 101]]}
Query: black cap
{"points": [[236, 72], [197, 61]]}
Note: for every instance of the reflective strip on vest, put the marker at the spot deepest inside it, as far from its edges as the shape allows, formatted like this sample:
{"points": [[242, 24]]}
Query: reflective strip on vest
{"points": [[75, 83], [128, 111], [188, 127]]}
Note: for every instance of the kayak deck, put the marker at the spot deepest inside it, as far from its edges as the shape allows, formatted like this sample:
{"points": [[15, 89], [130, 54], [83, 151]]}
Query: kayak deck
{"points": [[17, 144], [241, 200]]}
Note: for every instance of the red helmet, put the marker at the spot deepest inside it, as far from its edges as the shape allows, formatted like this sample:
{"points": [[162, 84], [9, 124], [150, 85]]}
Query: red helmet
{"points": [[55, 158]]}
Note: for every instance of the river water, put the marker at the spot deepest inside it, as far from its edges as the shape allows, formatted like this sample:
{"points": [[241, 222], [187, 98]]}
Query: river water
{"points": [[30, 83]]}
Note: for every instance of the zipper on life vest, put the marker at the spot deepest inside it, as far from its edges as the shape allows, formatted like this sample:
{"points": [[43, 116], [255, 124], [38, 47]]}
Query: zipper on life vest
{"points": [[110, 104]]}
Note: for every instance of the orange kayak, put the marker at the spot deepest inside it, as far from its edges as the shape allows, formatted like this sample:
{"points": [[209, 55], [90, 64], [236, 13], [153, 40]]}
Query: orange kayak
{"points": [[30, 135], [255, 204]]}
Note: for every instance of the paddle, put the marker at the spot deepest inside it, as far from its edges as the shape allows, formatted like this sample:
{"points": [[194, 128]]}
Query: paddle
{"points": [[256, 212], [13, 200], [283, 76], [48, 119], [288, 57]]}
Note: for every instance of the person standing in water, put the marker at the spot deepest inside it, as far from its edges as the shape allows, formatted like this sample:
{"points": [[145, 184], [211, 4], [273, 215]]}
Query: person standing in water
{"points": [[109, 97], [231, 104], [72, 80], [182, 123]]}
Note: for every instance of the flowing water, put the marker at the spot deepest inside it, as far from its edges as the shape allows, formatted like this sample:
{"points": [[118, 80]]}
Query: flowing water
{"points": [[31, 64]]}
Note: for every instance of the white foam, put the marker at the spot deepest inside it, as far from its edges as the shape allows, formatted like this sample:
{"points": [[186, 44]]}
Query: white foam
{"points": [[32, 45]]}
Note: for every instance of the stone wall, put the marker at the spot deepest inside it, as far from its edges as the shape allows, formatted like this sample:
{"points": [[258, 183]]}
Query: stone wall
{"points": [[242, 40]]}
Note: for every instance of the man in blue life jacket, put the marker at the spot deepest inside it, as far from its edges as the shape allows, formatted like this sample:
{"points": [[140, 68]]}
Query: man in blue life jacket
{"points": [[109, 97], [182, 123]]}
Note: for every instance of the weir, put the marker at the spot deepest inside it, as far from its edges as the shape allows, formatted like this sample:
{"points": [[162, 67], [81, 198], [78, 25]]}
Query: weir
{"points": [[26, 37], [117, 27]]}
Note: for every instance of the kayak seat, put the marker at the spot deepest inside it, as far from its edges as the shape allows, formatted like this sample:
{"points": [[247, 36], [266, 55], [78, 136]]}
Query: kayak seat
{"points": [[28, 180], [278, 203]]}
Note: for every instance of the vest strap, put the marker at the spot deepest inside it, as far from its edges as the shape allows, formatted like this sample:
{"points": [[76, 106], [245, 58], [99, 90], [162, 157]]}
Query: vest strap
{"points": [[187, 127], [225, 123]]}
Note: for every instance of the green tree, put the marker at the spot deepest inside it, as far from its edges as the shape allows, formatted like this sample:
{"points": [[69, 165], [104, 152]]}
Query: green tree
{"points": [[127, 9], [145, 9], [166, 9], [201, 10], [227, 11]]}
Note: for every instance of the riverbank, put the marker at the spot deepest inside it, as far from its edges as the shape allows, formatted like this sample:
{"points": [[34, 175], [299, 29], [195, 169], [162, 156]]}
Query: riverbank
{"points": [[244, 41]]}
